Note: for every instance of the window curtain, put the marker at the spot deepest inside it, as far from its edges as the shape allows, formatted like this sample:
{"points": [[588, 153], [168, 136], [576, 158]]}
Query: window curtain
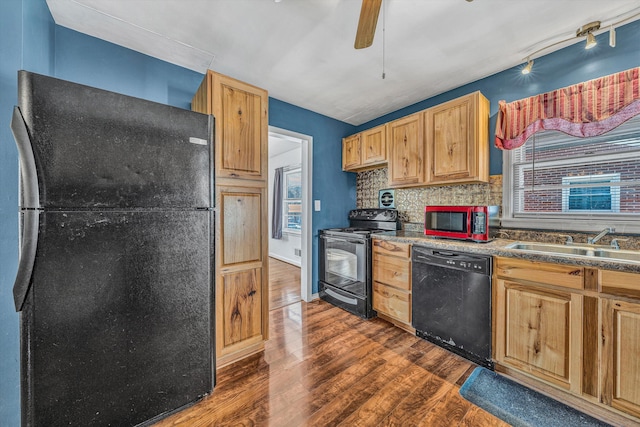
{"points": [[583, 110], [276, 215]]}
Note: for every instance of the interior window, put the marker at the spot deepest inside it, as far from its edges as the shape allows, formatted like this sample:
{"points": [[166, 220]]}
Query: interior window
{"points": [[559, 181], [292, 201]]}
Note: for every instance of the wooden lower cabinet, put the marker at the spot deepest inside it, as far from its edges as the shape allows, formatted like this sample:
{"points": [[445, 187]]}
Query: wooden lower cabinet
{"points": [[539, 331], [571, 332], [621, 341], [621, 355], [392, 302], [391, 272], [241, 299], [241, 270]]}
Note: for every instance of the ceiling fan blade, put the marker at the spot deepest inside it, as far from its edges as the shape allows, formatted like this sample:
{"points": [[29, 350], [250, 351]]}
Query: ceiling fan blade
{"points": [[367, 23]]}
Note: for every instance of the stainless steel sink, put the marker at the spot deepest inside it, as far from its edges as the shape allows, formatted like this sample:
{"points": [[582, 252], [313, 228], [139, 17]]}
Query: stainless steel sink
{"points": [[586, 251], [618, 254]]}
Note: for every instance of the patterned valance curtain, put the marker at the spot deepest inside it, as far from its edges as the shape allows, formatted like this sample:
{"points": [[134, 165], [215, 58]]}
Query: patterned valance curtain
{"points": [[586, 109]]}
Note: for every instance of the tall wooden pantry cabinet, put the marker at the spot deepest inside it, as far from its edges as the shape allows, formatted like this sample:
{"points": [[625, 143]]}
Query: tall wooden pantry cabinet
{"points": [[241, 242]]}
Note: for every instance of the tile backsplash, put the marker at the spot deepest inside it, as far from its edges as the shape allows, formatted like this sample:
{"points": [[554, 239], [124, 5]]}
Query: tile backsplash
{"points": [[410, 202]]}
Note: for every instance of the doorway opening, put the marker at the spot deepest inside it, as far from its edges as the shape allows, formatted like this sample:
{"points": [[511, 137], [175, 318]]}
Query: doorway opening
{"points": [[292, 152]]}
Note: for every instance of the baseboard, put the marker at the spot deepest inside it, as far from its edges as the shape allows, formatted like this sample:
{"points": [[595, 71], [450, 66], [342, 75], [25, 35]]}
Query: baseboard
{"points": [[294, 262]]}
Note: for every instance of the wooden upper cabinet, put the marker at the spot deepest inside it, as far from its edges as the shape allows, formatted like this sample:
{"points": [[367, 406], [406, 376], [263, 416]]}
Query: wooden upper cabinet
{"points": [[405, 151], [241, 128], [457, 140], [351, 157], [365, 150], [374, 146]]}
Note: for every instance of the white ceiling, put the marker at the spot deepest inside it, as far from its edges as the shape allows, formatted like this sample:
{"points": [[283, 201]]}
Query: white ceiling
{"points": [[302, 51]]}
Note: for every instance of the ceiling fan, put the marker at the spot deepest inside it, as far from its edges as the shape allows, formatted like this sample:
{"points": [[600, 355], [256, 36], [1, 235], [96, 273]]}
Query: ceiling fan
{"points": [[367, 23]]}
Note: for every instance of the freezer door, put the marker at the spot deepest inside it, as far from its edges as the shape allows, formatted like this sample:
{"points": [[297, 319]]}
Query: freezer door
{"points": [[98, 149], [117, 326]]}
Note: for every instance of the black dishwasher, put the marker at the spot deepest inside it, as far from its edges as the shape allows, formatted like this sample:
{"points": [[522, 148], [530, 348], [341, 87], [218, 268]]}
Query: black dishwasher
{"points": [[451, 304]]}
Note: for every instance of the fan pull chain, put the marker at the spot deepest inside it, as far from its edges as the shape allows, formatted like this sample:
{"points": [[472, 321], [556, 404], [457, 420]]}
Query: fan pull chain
{"points": [[383, 40]]}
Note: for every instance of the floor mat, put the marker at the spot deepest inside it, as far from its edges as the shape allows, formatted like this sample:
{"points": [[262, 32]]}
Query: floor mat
{"points": [[518, 405]]}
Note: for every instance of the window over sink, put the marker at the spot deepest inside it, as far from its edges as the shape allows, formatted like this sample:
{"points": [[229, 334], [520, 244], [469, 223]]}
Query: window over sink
{"points": [[562, 182]]}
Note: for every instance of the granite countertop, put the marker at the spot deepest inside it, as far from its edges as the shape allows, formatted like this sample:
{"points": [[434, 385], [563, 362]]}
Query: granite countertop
{"points": [[497, 247]]}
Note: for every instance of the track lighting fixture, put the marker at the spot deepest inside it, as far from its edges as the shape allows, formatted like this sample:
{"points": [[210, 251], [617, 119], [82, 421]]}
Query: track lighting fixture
{"points": [[612, 36], [587, 30]]}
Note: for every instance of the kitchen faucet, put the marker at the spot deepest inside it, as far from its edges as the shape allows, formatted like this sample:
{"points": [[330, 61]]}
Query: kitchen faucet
{"points": [[593, 240]]}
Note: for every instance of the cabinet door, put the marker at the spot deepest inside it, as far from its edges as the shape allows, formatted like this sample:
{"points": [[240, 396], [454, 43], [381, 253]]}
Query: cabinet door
{"points": [[241, 112], [241, 271], [351, 156], [241, 298], [538, 331], [392, 271], [405, 151], [457, 140], [241, 225], [374, 146], [621, 350], [393, 302]]}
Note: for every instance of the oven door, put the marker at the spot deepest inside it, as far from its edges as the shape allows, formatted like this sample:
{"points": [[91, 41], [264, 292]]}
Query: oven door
{"points": [[344, 263]]}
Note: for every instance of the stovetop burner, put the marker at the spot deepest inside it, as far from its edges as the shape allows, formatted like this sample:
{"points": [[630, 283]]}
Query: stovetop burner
{"points": [[363, 222], [356, 230]]}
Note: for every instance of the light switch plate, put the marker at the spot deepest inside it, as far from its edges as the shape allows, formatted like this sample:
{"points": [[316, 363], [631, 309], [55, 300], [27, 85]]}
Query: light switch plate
{"points": [[316, 205]]}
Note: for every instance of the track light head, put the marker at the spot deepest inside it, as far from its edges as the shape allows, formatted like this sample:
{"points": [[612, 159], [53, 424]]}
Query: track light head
{"points": [[527, 68], [612, 36], [587, 30], [591, 41]]}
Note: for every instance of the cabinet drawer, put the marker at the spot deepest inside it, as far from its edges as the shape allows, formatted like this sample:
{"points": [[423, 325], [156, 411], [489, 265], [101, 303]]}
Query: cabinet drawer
{"points": [[391, 248], [568, 276], [392, 271], [620, 283], [392, 302]]}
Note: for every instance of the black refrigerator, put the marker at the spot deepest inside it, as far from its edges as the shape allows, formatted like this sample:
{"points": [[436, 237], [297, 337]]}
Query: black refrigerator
{"points": [[115, 279]]}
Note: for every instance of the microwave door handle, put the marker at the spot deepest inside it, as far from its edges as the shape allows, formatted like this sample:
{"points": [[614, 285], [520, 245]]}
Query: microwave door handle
{"points": [[469, 216]]}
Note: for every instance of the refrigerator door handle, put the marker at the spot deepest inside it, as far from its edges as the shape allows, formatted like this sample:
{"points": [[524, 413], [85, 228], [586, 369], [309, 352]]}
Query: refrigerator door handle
{"points": [[31, 216], [30, 225], [29, 175]]}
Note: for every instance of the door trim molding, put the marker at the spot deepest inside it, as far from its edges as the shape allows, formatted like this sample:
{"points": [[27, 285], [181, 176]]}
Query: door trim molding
{"points": [[307, 207]]}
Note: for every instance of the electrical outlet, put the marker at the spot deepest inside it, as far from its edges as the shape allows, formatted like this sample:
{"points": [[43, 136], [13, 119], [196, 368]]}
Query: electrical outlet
{"points": [[297, 252]]}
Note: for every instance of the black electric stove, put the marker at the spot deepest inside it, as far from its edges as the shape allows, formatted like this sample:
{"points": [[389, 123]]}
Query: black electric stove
{"points": [[345, 259]]}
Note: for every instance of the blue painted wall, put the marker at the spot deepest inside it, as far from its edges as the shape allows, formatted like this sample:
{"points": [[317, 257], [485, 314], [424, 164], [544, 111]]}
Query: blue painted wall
{"points": [[27, 42], [87, 60], [334, 188], [565, 67]]}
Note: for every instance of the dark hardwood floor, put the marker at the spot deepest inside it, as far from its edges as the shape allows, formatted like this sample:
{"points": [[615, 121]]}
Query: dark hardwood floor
{"points": [[325, 367], [284, 283]]}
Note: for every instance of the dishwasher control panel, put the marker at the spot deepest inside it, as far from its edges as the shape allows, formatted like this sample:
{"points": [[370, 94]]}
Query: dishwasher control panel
{"points": [[462, 261]]}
